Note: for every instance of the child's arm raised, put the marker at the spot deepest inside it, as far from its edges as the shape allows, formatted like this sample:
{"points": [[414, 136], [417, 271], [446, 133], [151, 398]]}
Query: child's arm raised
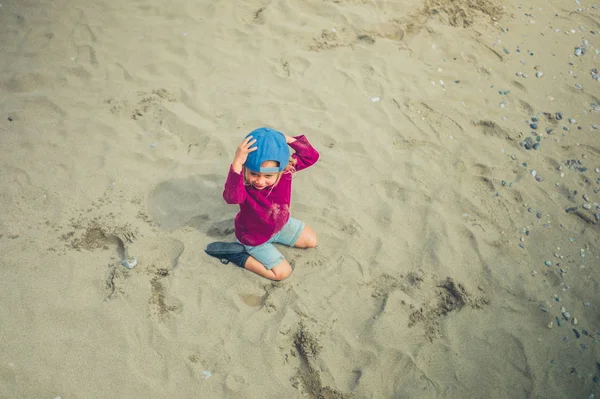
{"points": [[305, 155], [289, 139], [241, 154], [235, 192]]}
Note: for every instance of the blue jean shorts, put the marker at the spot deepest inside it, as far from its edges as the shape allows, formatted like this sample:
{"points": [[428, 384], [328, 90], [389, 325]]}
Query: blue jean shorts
{"points": [[270, 256]]}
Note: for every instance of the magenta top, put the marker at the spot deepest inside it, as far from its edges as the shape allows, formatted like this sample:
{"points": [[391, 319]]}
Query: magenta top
{"points": [[263, 213]]}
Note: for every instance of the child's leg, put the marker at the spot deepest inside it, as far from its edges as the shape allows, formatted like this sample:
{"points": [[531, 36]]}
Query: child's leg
{"points": [[296, 234], [279, 272], [307, 239], [266, 261]]}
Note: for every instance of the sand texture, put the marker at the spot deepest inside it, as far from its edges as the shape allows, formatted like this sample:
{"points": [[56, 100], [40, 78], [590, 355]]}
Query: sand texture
{"points": [[456, 199]]}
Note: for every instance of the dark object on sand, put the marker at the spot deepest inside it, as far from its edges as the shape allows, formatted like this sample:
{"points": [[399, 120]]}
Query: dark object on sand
{"points": [[228, 252]]}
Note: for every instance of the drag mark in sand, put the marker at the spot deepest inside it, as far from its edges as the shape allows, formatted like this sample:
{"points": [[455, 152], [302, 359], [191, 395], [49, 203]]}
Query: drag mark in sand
{"points": [[158, 299], [403, 21], [308, 348], [144, 103], [438, 299], [450, 296]]}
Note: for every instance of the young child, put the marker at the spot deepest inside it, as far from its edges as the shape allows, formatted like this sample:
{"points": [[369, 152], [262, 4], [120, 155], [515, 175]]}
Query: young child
{"points": [[260, 181]]}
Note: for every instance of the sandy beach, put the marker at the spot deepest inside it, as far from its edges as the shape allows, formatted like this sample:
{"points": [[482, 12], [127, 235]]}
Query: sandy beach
{"points": [[456, 199]]}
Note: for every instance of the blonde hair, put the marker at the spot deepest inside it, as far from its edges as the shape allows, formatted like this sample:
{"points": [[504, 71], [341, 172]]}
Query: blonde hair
{"points": [[290, 168]]}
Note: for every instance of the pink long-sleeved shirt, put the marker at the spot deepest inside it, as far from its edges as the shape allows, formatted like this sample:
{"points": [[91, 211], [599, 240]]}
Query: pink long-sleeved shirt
{"points": [[264, 212]]}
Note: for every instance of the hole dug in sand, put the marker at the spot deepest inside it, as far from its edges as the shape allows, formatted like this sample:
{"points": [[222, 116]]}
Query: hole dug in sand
{"points": [[98, 233]]}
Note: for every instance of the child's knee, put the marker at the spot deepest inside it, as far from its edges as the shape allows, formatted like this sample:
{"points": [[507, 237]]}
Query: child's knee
{"points": [[313, 241], [310, 241], [282, 270]]}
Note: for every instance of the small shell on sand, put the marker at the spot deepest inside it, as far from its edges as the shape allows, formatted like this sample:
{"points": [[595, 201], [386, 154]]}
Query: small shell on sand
{"points": [[129, 263]]}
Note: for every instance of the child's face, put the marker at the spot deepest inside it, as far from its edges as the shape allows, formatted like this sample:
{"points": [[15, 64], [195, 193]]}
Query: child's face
{"points": [[261, 181]]}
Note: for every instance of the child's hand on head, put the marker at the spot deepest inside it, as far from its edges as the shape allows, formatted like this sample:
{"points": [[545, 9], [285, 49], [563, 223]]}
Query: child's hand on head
{"points": [[289, 139], [241, 153]]}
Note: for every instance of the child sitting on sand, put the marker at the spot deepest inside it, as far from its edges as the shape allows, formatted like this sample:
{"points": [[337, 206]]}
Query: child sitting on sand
{"points": [[260, 181]]}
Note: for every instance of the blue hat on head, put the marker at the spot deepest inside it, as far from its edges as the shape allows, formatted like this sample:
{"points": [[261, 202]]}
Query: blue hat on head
{"points": [[271, 146]]}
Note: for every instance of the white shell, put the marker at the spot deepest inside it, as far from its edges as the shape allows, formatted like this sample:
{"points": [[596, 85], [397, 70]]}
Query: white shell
{"points": [[129, 264]]}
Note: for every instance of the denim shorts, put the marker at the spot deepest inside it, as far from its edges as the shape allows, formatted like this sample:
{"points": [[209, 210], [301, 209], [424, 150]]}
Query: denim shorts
{"points": [[270, 256]]}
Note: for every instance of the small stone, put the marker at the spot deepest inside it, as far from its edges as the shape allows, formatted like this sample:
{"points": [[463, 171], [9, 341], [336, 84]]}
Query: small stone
{"points": [[558, 116], [539, 177], [578, 51], [548, 263], [533, 125], [587, 206], [572, 121], [574, 321], [585, 198], [539, 74], [550, 325], [566, 315]]}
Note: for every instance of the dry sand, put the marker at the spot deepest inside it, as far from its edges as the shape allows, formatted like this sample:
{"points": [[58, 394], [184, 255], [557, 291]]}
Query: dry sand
{"points": [[118, 124]]}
